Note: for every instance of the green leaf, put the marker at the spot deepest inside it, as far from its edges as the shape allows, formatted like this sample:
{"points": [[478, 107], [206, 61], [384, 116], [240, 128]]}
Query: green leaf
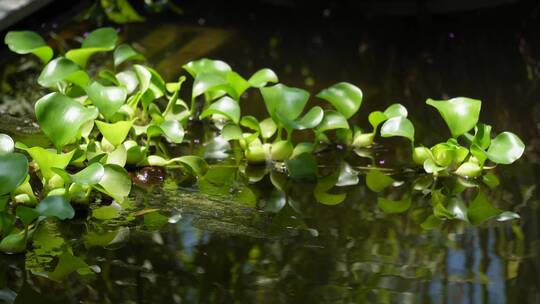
{"points": [[105, 213], [115, 133], [62, 69], [124, 52], [376, 118], [268, 128], [460, 113], [377, 181], [100, 40], [480, 209], [173, 131], [197, 165], [469, 169], [205, 65], [396, 110], [302, 166], [61, 117], [391, 206], [225, 106], [6, 144], [150, 83], [345, 97], [290, 102], [47, 160], [491, 180], [26, 214], [107, 99], [26, 42], [212, 83], [232, 132], [56, 206], [312, 119], [14, 243], [507, 216], [90, 175], [303, 147], [347, 176], [281, 150], [115, 182], [398, 126], [120, 11], [332, 120], [482, 135], [129, 80], [431, 222], [262, 77], [506, 148], [251, 122]]}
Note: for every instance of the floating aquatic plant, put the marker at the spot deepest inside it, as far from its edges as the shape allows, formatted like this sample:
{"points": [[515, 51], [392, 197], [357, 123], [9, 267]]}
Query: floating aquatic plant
{"points": [[102, 126]]}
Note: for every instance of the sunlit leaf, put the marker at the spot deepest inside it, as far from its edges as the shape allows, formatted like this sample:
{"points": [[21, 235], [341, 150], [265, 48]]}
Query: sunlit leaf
{"points": [[116, 132], [100, 40], [56, 206], [347, 176], [129, 80], [124, 52], [506, 148], [303, 147], [312, 119], [14, 243], [205, 65], [6, 144], [460, 113], [376, 118], [47, 159], [431, 222], [107, 99], [61, 117], [115, 182], [377, 181], [197, 165], [290, 102], [62, 69], [262, 77], [507, 216], [469, 169], [398, 126], [90, 175], [27, 42], [332, 120], [345, 97], [482, 135], [281, 150], [421, 154], [396, 110], [225, 106]]}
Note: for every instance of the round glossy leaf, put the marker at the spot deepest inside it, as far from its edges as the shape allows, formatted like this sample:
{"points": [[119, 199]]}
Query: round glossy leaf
{"points": [[210, 82], [225, 106], [376, 118], [62, 69], [347, 176], [61, 117], [105, 212], [469, 169], [506, 148], [6, 144], [26, 42], [398, 126], [206, 66], [345, 97], [482, 135], [281, 150], [173, 130], [13, 171], [290, 102], [396, 110], [100, 40], [262, 77], [251, 122], [129, 80], [303, 147], [460, 113], [116, 132], [124, 53], [26, 214], [312, 119], [231, 132], [107, 99], [90, 175], [115, 182], [197, 165], [268, 128], [47, 160], [56, 206], [14, 243], [333, 120]]}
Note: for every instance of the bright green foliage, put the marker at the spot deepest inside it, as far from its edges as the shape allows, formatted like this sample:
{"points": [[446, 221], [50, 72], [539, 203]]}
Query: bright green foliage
{"points": [[60, 72], [398, 126], [392, 206], [124, 53], [61, 117], [378, 181], [27, 42], [107, 99], [100, 40], [225, 106], [56, 206], [460, 114], [13, 171], [345, 97]]}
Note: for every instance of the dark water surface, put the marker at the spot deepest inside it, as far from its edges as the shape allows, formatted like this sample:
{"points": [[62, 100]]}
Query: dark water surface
{"points": [[220, 249]]}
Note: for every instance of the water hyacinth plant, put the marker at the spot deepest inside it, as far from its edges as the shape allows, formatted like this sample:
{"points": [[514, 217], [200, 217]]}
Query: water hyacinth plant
{"points": [[127, 116]]}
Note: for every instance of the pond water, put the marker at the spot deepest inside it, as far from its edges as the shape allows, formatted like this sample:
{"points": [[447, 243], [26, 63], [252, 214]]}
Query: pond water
{"points": [[236, 238]]}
